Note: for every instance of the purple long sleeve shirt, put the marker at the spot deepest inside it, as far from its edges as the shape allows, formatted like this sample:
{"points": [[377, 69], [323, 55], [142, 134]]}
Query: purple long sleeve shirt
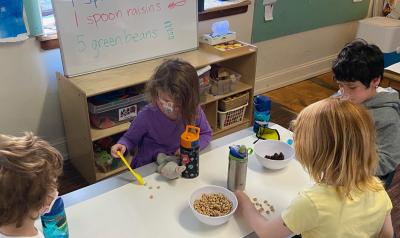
{"points": [[153, 132]]}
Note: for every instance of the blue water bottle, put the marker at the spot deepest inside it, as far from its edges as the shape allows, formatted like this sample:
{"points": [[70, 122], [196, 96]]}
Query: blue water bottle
{"points": [[262, 107], [55, 222]]}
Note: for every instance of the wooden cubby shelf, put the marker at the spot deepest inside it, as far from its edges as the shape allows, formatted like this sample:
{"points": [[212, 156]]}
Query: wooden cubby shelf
{"points": [[75, 91], [120, 169], [102, 133], [237, 87]]}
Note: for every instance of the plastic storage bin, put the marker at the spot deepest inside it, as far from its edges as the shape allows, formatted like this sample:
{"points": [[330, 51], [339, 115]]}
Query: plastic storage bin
{"points": [[222, 80], [115, 112], [383, 32], [231, 117], [204, 82], [204, 92], [234, 101], [204, 76]]}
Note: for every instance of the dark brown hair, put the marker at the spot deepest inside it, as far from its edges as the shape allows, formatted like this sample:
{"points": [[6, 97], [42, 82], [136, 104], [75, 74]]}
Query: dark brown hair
{"points": [[358, 61], [179, 79], [29, 167]]}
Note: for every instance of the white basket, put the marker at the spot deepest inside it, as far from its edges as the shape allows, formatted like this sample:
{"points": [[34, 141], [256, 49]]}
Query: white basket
{"points": [[231, 117]]}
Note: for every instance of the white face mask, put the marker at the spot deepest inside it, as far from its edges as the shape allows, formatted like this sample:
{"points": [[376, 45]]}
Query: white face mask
{"points": [[47, 207], [167, 107]]}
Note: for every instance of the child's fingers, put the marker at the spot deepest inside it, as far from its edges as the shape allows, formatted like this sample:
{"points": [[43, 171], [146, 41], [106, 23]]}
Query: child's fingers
{"points": [[122, 149], [114, 153], [241, 196], [116, 148]]}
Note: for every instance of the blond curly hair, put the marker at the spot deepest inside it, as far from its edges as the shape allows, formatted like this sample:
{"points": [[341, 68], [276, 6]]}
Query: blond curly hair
{"points": [[29, 168]]}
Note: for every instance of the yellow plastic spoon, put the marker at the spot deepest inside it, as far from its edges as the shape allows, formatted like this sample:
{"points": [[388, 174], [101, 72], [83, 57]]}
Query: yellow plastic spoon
{"points": [[138, 177]]}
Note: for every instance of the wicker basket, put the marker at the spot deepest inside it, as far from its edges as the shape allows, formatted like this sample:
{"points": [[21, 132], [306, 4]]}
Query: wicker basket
{"points": [[231, 117], [237, 100]]}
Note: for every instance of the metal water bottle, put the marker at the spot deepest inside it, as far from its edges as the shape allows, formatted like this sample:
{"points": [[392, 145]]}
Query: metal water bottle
{"points": [[190, 149], [237, 169]]}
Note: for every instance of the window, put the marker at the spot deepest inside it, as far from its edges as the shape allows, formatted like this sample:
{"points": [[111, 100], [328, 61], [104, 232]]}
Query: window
{"points": [[216, 8], [217, 4], [48, 22]]}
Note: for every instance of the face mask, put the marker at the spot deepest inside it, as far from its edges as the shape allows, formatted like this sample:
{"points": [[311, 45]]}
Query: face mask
{"points": [[47, 208], [167, 107]]}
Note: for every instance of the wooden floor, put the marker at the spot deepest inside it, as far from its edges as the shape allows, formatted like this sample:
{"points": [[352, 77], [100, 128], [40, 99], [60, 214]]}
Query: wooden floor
{"points": [[286, 103]]}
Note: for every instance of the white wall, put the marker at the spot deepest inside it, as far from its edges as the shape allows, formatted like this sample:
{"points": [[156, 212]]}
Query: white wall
{"points": [[292, 58], [28, 91]]}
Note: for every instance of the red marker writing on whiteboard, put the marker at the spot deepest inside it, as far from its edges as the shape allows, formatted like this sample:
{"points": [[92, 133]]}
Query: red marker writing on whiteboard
{"points": [[172, 5]]}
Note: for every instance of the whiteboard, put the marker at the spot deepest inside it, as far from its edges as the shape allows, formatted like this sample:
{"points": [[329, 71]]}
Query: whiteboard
{"points": [[100, 34]]}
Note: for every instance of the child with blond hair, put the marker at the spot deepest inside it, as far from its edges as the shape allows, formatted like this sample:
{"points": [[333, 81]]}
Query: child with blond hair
{"points": [[335, 143], [29, 168], [358, 70]]}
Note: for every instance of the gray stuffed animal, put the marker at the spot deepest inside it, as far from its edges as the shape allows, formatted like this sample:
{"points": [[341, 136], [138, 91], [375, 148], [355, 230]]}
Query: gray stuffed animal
{"points": [[168, 166]]}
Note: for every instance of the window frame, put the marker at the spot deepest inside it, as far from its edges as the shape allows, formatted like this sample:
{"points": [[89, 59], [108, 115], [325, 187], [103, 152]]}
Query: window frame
{"points": [[223, 11]]}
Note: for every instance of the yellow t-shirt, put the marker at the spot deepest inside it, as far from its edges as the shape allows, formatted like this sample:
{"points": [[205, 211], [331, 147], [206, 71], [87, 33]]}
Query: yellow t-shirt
{"points": [[320, 212]]}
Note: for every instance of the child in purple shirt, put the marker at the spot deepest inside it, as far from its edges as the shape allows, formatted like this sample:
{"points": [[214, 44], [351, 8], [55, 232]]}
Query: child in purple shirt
{"points": [[173, 93]]}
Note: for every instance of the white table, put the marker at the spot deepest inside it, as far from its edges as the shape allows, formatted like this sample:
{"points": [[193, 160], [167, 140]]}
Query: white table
{"points": [[125, 209]]}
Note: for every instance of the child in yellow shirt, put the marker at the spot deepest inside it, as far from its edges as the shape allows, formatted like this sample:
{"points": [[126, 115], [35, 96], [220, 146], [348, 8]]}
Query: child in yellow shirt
{"points": [[335, 143]]}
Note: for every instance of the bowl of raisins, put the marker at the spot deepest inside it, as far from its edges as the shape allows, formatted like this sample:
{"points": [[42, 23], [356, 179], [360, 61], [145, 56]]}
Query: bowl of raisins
{"points": [[273, 154]]}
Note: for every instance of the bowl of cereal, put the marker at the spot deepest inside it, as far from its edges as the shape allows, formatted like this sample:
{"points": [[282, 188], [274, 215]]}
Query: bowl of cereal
{"points": [[273, 154], [213, 205]]}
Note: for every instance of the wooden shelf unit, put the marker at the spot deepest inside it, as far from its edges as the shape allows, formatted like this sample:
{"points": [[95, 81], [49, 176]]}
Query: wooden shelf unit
{"points": [[392, 79], [97, 134], [100, 175], [75, 91]]}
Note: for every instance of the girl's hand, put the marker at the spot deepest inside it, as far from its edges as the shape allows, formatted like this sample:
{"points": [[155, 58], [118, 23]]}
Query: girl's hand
{"points": [[117, 147], [243, 200], [263, 228]]}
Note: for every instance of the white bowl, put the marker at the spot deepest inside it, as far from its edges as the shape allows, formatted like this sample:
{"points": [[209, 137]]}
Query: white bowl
{"points": [[213, 221], [269, 147]]}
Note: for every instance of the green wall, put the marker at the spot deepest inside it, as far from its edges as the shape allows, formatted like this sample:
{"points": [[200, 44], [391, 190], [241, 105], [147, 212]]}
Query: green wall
{"points": [[293, 16]]}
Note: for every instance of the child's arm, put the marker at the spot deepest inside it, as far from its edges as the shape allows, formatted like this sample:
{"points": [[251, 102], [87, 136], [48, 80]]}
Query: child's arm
{"points": [[135, 133], [205, 129], [387, 228], [261, 226], [388, 135]]}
